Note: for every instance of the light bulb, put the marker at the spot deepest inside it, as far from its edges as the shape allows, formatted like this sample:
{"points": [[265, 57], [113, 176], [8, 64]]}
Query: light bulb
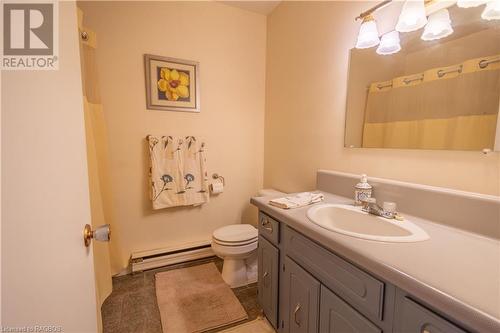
{"points": [[492, 11], [439, 25], [412, 16], [389, 44], [470, 3], [368, 34]]}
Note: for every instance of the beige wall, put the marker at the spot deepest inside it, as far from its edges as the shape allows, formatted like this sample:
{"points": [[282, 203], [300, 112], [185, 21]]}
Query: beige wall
{"points": [[230, 45], [307, 61]]}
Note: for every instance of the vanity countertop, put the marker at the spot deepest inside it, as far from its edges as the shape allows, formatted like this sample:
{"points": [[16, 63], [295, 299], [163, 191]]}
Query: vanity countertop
{"points": [[454, 270]]}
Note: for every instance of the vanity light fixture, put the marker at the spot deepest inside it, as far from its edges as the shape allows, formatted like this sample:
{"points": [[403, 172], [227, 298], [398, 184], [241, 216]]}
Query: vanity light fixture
{"points": [[439, 25], [492, 11], [470, 3], [368, 33], [389, 44], [412, 16]]}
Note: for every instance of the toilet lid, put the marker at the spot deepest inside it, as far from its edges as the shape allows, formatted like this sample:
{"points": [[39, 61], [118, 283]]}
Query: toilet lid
{"points": [[235, 233]]}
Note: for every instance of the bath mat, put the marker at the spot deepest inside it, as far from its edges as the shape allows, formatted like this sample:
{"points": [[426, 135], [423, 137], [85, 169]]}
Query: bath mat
{"points": [[260, 325], [196, 299]]}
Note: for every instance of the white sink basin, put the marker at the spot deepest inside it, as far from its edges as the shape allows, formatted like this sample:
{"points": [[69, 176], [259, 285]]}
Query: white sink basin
{"points": [[352, 221]]}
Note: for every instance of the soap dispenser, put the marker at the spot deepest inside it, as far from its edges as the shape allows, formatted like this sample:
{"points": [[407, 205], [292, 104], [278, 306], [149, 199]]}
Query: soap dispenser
{"points": [[362, 190]]}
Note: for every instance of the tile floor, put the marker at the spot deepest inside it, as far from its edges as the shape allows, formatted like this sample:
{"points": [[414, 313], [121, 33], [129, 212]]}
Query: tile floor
{"points": [[132, 307]]}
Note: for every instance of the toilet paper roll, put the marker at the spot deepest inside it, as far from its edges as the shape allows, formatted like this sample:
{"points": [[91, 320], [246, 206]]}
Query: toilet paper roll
{"points": [[217, 187]]}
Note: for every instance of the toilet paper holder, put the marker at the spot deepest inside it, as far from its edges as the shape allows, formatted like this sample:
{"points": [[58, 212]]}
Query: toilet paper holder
{"points": [[219, 177]]}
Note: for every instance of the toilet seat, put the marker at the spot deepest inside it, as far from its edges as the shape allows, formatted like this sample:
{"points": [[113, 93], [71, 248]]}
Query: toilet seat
{"points": [[235, 235], [215, 240]]}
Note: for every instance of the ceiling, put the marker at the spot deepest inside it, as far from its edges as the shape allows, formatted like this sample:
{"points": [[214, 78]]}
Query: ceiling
{"points": [[260, 7]]}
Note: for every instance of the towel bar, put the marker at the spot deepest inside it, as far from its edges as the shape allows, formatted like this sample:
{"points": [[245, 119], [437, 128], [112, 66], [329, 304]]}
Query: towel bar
{"points": [[202, 144]]}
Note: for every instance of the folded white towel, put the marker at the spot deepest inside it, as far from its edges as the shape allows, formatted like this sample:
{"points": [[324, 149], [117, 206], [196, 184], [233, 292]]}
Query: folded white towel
{"points": [[298, 200]]}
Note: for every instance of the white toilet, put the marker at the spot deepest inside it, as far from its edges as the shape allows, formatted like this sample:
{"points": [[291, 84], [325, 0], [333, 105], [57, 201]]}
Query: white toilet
{"points": [[237, 244]]}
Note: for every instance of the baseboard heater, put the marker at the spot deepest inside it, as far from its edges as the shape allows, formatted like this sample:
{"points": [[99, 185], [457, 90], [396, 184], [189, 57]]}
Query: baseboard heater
{"points": [[144, 260]]}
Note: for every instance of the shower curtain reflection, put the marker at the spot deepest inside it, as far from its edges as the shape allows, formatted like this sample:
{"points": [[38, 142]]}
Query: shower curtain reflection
{"points": [[457, 110]]}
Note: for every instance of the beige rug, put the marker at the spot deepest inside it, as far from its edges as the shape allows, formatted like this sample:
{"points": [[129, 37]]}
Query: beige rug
{"points": [[259, 325], [196, 299]]}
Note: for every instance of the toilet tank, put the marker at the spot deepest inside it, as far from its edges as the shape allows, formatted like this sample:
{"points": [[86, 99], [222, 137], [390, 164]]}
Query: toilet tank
{"points": [[270, 192]]}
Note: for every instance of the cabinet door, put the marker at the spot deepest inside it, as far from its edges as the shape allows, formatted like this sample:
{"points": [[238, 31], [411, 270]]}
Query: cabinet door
{"points": [[338, 317], [301, 297], [356, 287], [268, 266]]}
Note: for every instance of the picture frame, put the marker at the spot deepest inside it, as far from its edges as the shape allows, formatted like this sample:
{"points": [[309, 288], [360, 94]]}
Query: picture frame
{"points": [[172, 84]]}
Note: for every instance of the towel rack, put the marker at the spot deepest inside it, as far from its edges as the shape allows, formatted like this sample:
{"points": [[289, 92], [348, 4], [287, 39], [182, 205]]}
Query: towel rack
{"points": [[202, 146]]}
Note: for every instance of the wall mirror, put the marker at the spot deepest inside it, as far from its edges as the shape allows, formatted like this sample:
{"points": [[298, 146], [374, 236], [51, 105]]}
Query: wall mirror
{"points": [[440, 94]]}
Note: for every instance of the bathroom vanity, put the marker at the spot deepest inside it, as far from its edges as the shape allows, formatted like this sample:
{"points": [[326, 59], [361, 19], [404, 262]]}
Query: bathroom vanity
{"points": [[315, 280]]}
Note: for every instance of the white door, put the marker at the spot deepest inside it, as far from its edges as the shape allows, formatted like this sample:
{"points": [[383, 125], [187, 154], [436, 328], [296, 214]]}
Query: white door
{"points": [[47, 272]]}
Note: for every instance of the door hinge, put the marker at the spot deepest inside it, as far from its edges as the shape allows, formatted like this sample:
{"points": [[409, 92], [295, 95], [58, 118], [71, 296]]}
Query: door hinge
{"points": [[283, 267], [282, 324]]}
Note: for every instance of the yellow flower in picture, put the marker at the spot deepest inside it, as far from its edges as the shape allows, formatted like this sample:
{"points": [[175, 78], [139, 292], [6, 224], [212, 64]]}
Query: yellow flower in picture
{"points": [[174, 83]]}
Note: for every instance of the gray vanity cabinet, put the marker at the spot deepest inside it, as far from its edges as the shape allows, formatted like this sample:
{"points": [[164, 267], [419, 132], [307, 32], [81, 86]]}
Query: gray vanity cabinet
{"points": [[268, 270], [336, 316], [306, 288], [301, 298]]}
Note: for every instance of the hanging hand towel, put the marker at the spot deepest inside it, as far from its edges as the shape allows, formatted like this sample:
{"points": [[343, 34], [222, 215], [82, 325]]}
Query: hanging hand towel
{"points": [[178, 172], [298, 200], [195, 173]]}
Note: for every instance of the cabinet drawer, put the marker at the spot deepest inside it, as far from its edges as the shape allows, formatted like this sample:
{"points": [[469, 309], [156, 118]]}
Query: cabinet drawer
{"points": [[361, 290], [269, 228], [411, 317], [268, 271], [336, 316]]}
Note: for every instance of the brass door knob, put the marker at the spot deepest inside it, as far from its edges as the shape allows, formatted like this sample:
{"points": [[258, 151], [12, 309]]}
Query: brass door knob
{"points": [[101, 233]]}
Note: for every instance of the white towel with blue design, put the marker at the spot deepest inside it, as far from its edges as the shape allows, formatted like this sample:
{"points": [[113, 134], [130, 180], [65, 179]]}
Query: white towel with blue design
{"points": [[178, 172]]}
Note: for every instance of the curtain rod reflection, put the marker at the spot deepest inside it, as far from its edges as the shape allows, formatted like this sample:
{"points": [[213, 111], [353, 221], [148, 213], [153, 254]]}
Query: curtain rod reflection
{"points": [[408, 80], [457, 69], [484, 63], [382, 86], [468, 66]]}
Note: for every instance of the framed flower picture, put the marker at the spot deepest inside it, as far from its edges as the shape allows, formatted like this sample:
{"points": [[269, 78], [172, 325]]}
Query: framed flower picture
{"points": [[172, 84]]}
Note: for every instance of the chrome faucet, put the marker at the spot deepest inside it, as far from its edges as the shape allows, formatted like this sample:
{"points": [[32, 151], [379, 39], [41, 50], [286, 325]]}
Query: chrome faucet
{"points": [[370, 206]]}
